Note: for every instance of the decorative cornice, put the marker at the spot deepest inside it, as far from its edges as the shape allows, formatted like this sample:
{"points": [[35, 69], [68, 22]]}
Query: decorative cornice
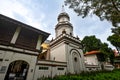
{"points": [[22, 51], [66, 38], [60, 24], [52, 63]]}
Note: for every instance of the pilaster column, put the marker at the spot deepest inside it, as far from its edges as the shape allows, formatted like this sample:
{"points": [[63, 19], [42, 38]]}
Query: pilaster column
{"points": [[38, 46], [16, 34]]}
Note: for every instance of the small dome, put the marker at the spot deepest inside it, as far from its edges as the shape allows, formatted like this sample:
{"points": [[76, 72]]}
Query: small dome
{"points": [[63, 14]]}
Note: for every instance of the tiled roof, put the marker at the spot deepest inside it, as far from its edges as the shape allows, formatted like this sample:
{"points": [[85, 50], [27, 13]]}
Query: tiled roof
{"points": [[92, 52]]}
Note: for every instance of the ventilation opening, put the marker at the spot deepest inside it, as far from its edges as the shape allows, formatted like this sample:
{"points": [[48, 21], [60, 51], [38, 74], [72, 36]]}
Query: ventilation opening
{"points": [[75, 59]]}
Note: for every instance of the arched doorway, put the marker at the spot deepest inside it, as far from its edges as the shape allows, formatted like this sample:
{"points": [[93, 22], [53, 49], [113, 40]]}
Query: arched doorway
{"points": [[17, 70], [76, 61]]}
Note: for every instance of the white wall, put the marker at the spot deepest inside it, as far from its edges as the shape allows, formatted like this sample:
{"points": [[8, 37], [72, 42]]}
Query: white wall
{"points": [[58, 53], [62, 52], [91, 59], [42, 73], [9, 56], [66, 28], [51, 71], [92, 67], [70, 65]]}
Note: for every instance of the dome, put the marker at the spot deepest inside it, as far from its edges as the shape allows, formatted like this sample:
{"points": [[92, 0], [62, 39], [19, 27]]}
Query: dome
{"points": [[63, 14]]}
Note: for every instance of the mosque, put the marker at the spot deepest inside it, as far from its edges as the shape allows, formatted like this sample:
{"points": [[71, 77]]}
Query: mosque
{"points": [[23, 58]]}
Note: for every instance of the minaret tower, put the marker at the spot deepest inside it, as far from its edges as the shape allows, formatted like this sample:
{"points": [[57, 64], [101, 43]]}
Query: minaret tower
{"points": [[66, 48], [63, 24]]}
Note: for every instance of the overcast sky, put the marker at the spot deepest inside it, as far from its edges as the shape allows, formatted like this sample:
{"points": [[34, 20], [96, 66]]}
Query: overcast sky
{"points": [[43, 14]]}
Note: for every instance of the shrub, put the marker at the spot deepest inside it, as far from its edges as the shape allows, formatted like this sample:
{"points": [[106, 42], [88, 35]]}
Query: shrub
{"points": [[98, 75]]}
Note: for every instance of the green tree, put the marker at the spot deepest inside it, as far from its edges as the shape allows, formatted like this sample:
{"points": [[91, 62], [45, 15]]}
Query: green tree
{"points": [[91, 43], [107, 51], [105, 9], [116, 30], [115, 41]]}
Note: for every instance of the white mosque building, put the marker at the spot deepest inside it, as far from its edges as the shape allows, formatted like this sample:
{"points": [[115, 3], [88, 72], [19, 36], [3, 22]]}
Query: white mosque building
{"points": [[22, 57], [20, 50], [65, 47], [64, 54]]}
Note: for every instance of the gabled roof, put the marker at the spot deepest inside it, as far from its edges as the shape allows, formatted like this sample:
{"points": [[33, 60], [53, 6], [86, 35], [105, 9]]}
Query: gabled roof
{"points": [[27, 38], [92, 52], [23, 25]]}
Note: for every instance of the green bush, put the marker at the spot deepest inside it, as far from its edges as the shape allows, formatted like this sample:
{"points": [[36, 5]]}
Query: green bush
{"points": [[98, 75]]}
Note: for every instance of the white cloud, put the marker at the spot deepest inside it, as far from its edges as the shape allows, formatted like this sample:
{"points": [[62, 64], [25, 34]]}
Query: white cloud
{"points": [[5, 8], [9, 7]]}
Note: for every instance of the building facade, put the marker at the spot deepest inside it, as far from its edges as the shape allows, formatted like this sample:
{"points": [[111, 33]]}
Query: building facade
{"points": [[65, 47], [23, 58], [20, 44], [94, 60], [63, 54]]}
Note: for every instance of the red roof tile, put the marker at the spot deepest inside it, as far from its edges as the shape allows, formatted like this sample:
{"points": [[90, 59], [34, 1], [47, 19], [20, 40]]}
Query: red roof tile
{"points": [[92, 52]]}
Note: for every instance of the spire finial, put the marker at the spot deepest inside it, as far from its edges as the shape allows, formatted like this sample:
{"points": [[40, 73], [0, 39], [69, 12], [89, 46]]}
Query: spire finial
{"points": [[63, 10]]}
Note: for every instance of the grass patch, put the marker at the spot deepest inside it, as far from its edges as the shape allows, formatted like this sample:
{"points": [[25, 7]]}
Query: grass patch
{"points": [[99, 75]]}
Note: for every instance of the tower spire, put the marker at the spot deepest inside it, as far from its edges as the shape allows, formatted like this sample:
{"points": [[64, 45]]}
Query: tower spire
{"points": [[63, 10]]}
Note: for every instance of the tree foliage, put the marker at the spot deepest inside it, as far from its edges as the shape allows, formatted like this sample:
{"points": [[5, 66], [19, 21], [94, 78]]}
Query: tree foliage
{"points": [[108, 52], [91, 43], [116, 30], [105, 9], [115, 41]]}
